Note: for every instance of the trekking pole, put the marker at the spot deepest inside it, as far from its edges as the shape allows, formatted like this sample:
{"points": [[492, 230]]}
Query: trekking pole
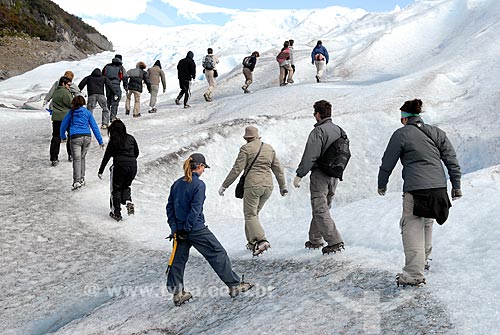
{"points": [[172, 255]]}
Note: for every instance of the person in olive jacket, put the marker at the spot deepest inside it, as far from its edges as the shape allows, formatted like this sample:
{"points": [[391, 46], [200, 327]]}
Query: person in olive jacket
{"points": [[124, 150], [61, 104], [258, 184]]}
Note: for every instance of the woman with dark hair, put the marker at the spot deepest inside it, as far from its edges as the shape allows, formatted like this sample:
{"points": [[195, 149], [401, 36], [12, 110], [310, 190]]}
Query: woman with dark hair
{"points": [[78, 122], [422, 150], [187, 222], [61, 103], [124, 150]]}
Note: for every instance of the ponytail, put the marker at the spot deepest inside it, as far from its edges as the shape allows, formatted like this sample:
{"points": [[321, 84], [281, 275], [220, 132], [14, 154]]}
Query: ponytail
{"points": [[188, 170]]}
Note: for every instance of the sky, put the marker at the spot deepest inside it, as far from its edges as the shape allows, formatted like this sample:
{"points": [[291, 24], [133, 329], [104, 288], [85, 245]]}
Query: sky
{"points": [[180, 12], [68, 268]]}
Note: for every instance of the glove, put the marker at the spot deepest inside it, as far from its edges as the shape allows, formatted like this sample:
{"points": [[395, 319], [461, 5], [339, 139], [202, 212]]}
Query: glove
{"points": [[382, 190], [115, 98], [181, 234], [221, 191], [164, 90], [99, 175], [284, 192], [456, 193], [296, 181], [103, 146]]}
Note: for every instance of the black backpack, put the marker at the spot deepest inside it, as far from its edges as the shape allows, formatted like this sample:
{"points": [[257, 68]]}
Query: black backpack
{"points": [[247, 61], [334, 161]]}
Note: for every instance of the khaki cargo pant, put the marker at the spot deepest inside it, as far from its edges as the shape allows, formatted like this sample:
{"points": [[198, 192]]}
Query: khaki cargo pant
{"points": [[417, 240], [322, 189], [212, 84], [137, 101], [320, 67], [254, 199]]}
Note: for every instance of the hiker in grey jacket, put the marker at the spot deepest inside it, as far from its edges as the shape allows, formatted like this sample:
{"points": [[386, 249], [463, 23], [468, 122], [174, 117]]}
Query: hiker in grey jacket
{"points": [[136, 78], [322, 186], [115, 72], [156, 75], [421, 148], [258, 185]]}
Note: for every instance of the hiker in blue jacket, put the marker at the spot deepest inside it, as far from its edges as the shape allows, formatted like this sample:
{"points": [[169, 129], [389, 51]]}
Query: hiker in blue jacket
{"points": [[79, 120], [320, 58], [187, 223]]}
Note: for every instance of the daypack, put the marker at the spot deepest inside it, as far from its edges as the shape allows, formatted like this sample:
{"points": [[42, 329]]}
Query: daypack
{"points": [[334, 161], [247, 61], [282, 56], [208, 62], [319, 56]]}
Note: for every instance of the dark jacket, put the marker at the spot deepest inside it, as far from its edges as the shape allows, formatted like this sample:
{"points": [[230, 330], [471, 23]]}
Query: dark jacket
{"points": [[136, 77], [79, 122], [95, 83], [251, 63], [185, 205], [325, 132], [420, 157], [115, 72], [123, 156], [186, 69]]}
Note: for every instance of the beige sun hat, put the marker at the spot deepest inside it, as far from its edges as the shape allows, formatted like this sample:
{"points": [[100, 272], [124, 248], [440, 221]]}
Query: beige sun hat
{"points": [[251, 132]]}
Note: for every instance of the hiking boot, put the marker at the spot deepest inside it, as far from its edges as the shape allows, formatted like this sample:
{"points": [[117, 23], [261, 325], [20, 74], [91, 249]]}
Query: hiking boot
{"points": [[54, 163], [152, 110], [82, 182], [177, 102], [127, 112], [310, 245], [182, 297], [333, 248], [283, 84], [116, 217], [250, 246], [317, 79], [400, 280], [130, 208], [137, 115], [206, 96], [241, 287], [187, 106], [290, 81], [104, 126], [260, 247], [76, 185]]}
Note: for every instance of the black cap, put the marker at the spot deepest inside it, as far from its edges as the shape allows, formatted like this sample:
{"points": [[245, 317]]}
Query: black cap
{"points": [[199, 159]]}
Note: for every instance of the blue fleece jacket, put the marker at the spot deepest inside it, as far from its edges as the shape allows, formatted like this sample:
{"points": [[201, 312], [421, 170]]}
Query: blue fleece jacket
{"points": [[78, 122], [320, 50], [185, 205]]}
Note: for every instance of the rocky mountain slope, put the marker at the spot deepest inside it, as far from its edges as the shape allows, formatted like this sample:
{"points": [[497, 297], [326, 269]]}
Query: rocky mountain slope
{"points": [[35, 32]]}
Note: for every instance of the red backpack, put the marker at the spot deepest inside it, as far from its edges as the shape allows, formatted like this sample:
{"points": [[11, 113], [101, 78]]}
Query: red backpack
{"points": [[319, 56]]}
